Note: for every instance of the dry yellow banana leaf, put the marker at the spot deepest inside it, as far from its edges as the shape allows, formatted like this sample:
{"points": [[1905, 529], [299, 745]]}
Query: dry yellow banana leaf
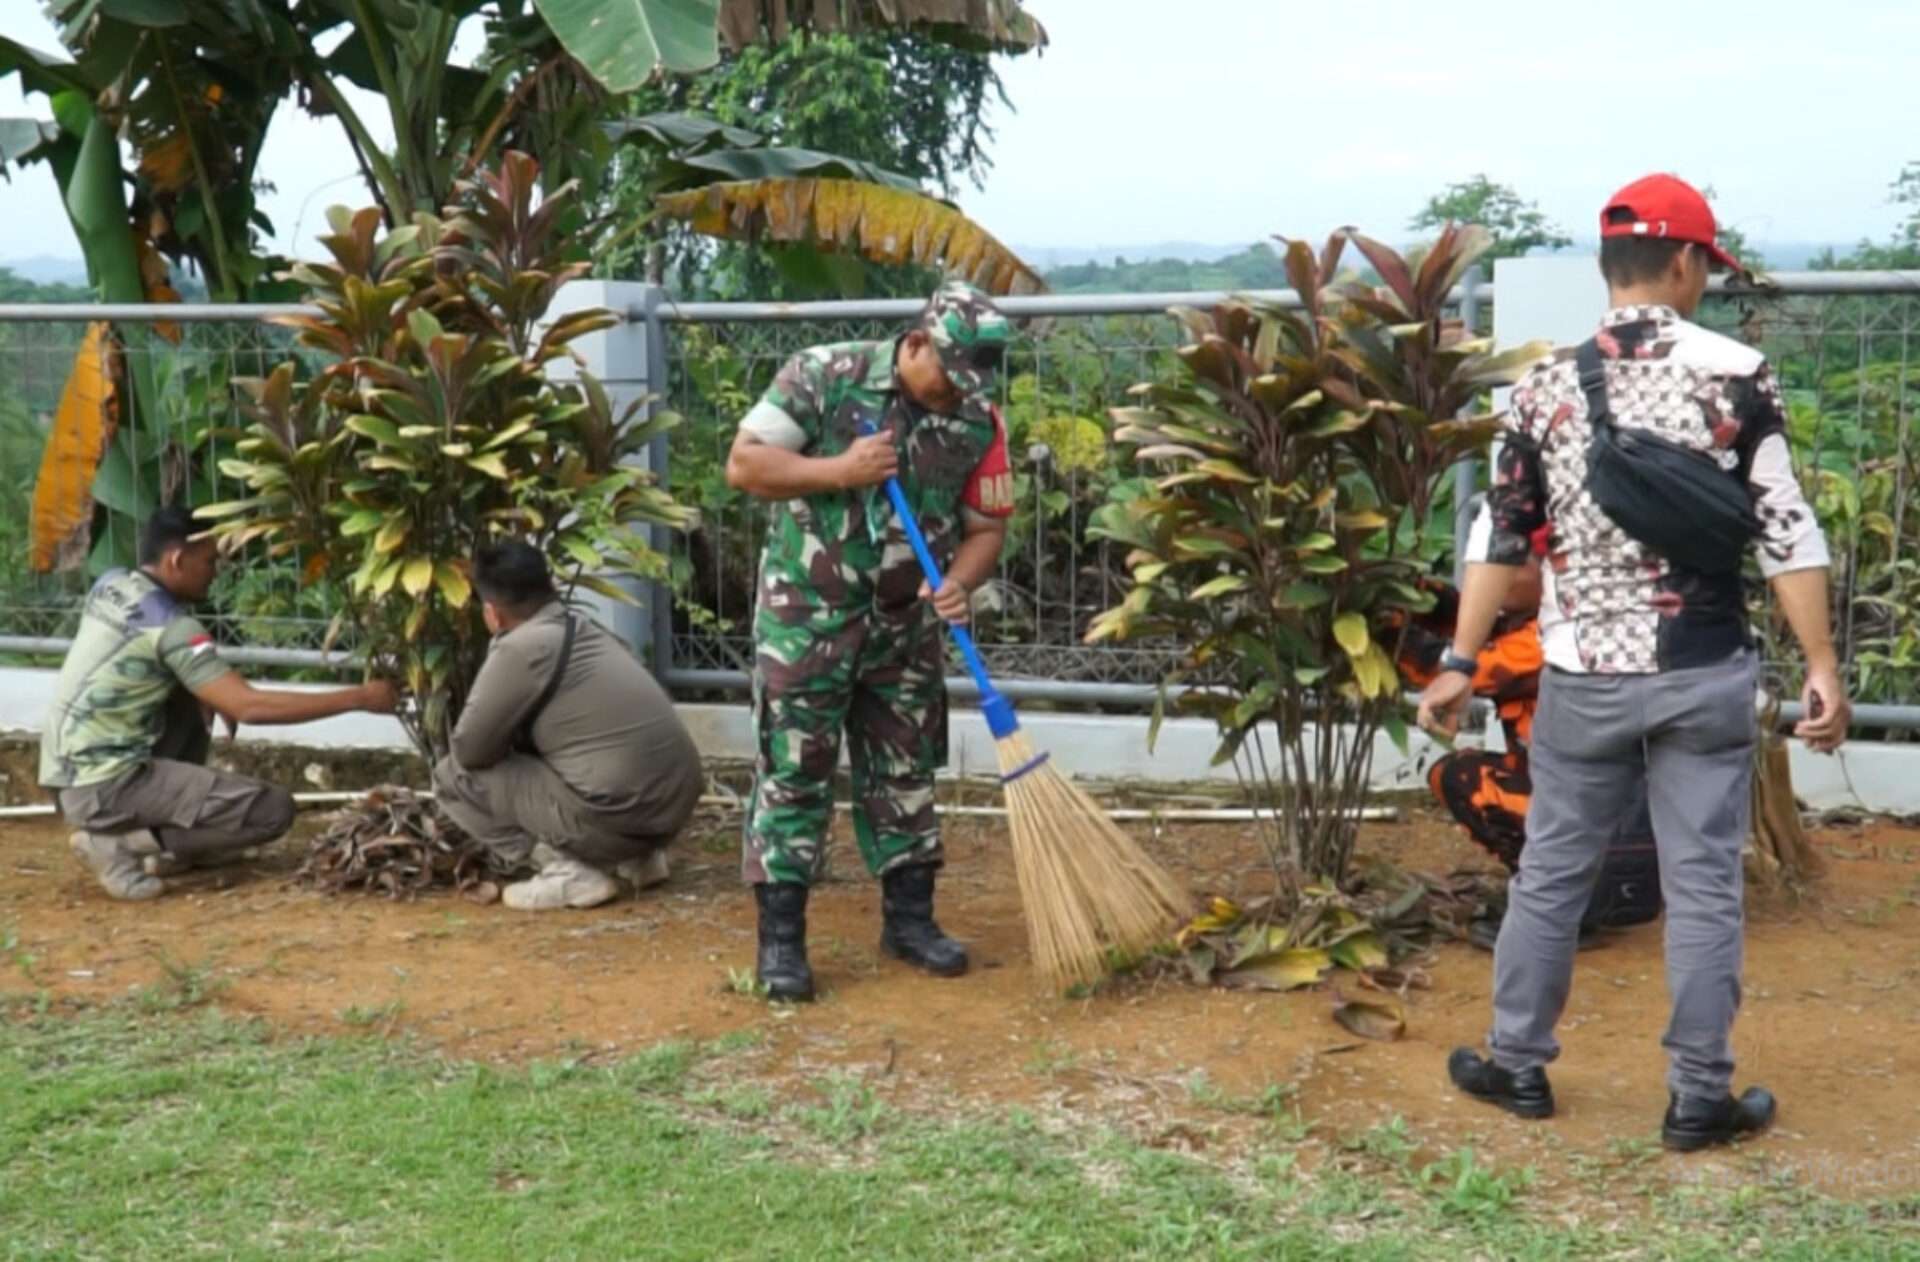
{"points": [[886, 225], [82, 427]]}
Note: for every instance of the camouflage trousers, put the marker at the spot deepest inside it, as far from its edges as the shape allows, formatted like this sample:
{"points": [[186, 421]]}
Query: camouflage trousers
{"points": [[878, 677]]}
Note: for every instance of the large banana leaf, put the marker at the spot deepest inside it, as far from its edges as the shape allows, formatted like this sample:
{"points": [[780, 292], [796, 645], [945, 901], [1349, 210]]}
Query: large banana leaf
{"points": [[683, 133], [699, 150], [24, 139], [1000, 26], [879, 222], [42, 72], [758, 165], [622, 43]]}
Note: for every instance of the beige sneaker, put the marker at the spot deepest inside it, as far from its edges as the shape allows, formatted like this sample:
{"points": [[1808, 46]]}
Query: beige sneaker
{"points": [[115, 859], [563, 881], [645, 874]]}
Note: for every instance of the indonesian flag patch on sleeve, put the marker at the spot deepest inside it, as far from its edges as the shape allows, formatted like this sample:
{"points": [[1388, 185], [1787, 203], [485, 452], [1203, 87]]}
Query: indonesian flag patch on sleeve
{"points": [[990, 488], [200, 645]]}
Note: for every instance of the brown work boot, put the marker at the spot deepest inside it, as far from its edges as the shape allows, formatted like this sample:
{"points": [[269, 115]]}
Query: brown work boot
{"points": [[562, 881], [115, 860]]}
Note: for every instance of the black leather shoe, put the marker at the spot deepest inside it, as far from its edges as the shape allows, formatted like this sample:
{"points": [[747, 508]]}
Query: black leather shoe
{"points": [[1525, 1094], [909, 932], [1695, 1122], [782, 963]]}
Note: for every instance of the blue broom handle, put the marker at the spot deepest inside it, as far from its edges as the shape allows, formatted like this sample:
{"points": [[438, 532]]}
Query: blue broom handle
{"points": [[998, 710], [931, 569]]}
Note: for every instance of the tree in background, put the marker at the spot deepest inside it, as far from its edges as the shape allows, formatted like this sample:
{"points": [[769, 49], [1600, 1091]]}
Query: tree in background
{"points": [[1901, 251], [1258, 266], [1517, 227]]}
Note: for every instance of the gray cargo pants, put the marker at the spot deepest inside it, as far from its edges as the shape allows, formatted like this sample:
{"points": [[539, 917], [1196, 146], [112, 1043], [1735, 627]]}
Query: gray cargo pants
{"points": [[1689, 735], [196, 813], [520, 800]]}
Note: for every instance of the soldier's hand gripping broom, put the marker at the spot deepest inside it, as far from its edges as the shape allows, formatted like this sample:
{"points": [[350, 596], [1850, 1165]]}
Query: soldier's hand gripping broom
{"points": [[1087, 886]]}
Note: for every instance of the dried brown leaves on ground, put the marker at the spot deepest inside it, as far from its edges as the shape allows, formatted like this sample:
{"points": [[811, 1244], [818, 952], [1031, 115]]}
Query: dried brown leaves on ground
{"points": [[396, 842], [1267, 944]]}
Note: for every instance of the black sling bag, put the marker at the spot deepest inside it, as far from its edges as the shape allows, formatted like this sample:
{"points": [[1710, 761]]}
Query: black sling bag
{"points": [[523, 738], [1671, 498]]}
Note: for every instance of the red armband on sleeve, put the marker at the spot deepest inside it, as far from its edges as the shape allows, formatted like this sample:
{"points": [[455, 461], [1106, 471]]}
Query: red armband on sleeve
{"points": [[990, 487]]}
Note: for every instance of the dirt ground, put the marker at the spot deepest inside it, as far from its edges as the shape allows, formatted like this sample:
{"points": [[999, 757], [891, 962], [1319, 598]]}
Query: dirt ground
{"points": [[1831, 1021]]}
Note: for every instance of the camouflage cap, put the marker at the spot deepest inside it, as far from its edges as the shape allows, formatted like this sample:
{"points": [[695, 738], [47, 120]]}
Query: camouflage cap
{"points": [[971, 336]]}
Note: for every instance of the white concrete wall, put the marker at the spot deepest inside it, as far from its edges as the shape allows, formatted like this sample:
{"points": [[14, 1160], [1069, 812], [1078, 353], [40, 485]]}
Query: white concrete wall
{"points": [[1880, 778]]}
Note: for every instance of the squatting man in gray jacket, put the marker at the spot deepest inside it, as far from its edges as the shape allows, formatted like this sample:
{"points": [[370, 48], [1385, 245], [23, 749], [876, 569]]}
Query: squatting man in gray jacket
{"points": [[569, 755]]}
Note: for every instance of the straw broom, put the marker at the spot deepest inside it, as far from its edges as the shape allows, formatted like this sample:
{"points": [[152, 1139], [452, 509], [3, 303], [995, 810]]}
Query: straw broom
{"points": [[1087, 886]]}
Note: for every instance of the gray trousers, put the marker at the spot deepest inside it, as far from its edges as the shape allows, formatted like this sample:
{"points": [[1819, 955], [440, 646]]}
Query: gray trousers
{"points": [[1688, 735], [520, 800], [195, 812]]}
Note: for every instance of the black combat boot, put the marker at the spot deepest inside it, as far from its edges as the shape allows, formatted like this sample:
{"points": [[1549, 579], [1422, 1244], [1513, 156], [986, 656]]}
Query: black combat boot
{"points": [[782, 963], [909, 933], [1523, 1094], [1695, 1122]]}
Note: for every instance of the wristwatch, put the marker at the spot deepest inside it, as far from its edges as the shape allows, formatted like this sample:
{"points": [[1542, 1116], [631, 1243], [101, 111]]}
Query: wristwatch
{"points": [[1452, 663]]}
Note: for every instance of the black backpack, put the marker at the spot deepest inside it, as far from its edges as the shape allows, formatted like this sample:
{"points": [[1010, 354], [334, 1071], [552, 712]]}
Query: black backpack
{"points": [[1671, 498]]}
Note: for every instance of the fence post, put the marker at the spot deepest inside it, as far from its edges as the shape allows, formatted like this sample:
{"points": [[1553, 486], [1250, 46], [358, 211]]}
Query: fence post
{"points": [[1466, 473], [657, 375], [621, 358]]}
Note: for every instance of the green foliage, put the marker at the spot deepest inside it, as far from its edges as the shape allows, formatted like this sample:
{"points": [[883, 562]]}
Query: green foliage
{"points": [[1278, 543], [433, 426], [17, 288], [21, 440], [1901, 251], [1849, 383], [123, 1136], [1466, 1189], [1515, 226]]}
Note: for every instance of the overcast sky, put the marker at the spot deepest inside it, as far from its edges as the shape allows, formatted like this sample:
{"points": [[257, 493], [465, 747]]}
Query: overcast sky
{"points": [[1228, 120]]}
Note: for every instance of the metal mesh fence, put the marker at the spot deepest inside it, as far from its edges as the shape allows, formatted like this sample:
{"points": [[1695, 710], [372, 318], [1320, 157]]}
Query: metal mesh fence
{"points": [[1052, 577], [1845, 365], [1844, 362], [169, 453]]}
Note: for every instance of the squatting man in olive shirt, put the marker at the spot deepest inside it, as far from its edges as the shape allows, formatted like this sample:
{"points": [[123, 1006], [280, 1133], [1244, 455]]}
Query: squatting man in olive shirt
{"points": [[569, 755], [127, 739]]}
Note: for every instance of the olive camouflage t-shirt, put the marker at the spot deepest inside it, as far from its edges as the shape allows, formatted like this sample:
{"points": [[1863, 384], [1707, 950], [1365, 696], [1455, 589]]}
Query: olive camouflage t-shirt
{"points": [[135, 646]]}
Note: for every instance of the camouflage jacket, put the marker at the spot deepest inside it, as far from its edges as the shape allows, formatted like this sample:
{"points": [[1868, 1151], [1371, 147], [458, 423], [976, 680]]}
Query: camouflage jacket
{"points": [[833, 556], [135, 646]]}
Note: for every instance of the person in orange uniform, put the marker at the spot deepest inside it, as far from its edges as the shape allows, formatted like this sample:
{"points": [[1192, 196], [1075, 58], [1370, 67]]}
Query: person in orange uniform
{"points": [[1488, 792]]}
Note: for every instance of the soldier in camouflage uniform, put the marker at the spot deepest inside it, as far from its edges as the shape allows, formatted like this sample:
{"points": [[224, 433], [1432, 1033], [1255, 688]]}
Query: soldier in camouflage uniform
{"points": [[127, 740], [846, 632]]}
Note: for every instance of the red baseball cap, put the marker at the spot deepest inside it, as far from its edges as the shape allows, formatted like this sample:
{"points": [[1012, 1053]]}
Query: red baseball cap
{"points": [[1665, 206]]}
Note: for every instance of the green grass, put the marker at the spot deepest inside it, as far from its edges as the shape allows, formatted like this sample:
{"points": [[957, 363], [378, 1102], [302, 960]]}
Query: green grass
{"points": [[175, 1131]]}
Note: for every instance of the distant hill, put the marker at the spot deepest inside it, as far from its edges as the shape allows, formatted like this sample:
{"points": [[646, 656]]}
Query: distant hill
{"points": [[1147, 270], [44, 269]]}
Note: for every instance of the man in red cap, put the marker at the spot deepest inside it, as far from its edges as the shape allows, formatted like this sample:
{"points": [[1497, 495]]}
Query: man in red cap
{"points": [[1650, 675]]}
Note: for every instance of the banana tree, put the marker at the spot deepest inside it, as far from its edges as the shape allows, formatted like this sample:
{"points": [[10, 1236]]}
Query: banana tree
{"points": [[192, 85]]}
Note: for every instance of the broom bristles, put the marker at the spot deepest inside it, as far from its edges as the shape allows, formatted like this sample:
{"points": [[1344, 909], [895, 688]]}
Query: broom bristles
{"points": [[1088, 886]]}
